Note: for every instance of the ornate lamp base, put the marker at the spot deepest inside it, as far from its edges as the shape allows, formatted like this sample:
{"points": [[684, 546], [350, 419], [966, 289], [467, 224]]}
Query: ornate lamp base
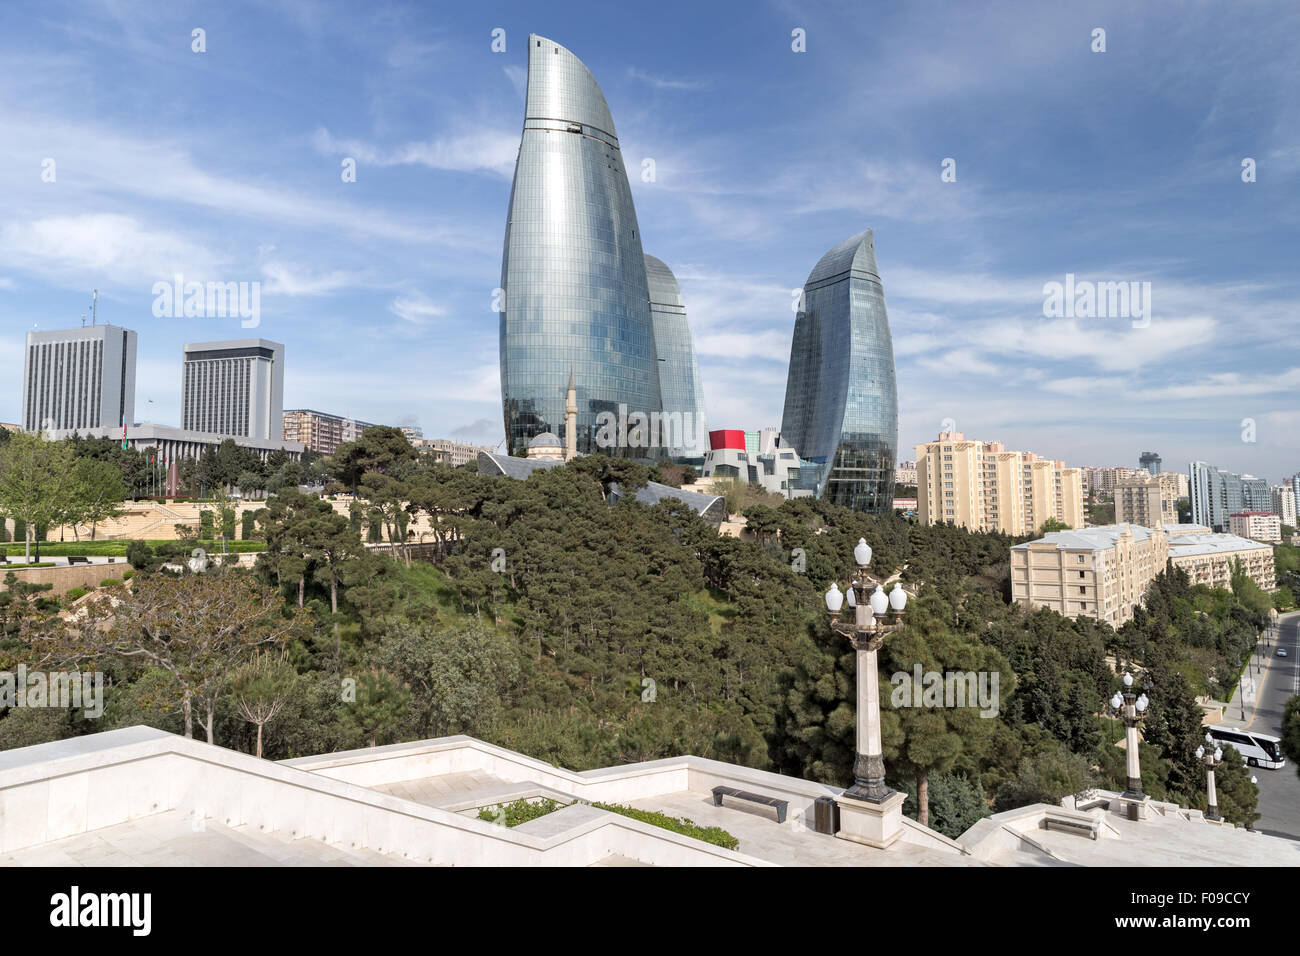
{"points": [[869, 780]]}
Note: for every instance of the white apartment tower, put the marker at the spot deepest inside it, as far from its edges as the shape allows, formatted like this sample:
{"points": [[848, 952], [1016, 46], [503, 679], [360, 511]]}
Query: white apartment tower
{"points": [[234, 388], [75, 379]]}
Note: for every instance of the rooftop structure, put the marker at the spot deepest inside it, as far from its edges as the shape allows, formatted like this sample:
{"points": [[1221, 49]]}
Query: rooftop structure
{"points": [[140, 796]]}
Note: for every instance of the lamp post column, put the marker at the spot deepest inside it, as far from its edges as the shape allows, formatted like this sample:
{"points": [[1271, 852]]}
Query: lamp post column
{"points": [[869, 764], [870, 812]]}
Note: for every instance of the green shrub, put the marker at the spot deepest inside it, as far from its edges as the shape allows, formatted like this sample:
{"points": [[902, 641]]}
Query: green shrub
{"points": [[139, 554], [128, 574], [74, 593], [520, 811], [111, 583], [715, 835]]}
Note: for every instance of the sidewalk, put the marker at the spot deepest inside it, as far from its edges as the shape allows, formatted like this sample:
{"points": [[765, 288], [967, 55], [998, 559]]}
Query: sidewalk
{"points": [[1253, 680]]}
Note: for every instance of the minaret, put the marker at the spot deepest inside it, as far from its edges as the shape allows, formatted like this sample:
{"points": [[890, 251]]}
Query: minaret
{"points": [[571, 420]]}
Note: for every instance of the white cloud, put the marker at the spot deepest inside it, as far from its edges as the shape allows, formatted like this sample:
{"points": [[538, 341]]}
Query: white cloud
{"points": [[416, 309], [102, 244], [667, 82], [475, 151], [284, 279]]}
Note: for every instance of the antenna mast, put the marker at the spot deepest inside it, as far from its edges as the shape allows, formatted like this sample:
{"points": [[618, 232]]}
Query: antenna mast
{"points": [[94, 306]]}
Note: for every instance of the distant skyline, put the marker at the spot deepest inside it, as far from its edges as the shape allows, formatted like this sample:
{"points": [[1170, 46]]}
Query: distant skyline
{"points": [[1122, 166]]}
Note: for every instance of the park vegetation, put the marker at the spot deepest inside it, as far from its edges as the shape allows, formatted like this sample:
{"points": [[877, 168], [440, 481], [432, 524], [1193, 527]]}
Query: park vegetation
{"points": [[539, 616]]}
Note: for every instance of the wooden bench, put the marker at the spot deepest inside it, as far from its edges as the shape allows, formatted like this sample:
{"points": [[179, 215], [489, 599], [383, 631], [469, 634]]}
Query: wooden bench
{"points": [[779, 805]]}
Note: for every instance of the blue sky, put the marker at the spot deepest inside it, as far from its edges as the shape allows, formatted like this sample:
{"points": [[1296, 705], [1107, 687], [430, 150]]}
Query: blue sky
{"points": [[1115, 166]]}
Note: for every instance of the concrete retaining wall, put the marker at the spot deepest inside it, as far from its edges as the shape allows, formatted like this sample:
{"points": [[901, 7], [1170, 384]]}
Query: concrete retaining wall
{"points": [[65, 579]]}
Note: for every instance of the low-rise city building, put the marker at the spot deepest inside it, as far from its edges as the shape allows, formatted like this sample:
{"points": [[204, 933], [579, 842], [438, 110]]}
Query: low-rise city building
{"points": [[449, 451], [1100, 572], [1209, 558], [1103, 572], [759, 458]]}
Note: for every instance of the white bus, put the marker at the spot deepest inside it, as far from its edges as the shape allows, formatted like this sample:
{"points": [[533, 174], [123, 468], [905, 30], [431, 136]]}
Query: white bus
{"points": [[1259, 750]]}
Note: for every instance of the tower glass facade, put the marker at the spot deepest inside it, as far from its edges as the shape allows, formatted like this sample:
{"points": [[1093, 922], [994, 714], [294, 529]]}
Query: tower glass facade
{"points": [[687, 432], [573, 272], [841, 396]]}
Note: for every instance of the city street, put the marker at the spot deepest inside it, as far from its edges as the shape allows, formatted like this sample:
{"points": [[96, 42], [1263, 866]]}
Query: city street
{"points": [[1278, 680]]}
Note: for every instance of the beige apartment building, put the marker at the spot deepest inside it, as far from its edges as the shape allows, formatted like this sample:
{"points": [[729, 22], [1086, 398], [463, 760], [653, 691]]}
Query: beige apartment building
{"points": [[1103, 572], [1144, 501], [1208, 558], [1098, 572], [986, 487]]}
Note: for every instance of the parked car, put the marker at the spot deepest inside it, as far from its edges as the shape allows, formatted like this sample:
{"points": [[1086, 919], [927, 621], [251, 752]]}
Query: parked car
{"points": [[1281, 652]]}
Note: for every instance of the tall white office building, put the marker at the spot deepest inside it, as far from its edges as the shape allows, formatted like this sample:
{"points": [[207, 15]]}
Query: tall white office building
{"points": [[75, 379], [234, 388]]}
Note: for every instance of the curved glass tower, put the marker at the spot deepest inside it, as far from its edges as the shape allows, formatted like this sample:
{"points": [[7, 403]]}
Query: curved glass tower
{"points": [[576, 294], [841, 397], [686, 431]]}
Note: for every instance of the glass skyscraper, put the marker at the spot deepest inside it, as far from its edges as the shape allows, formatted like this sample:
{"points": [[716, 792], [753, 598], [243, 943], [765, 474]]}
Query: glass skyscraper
{"points": [[573, 272], [841, 397], [679, 371]]}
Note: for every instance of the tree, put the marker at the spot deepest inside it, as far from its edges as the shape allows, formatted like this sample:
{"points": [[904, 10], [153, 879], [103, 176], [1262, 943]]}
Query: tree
{"points": [[99, 492], [380, 708], [1238, 798], [1291, 731], [261, 686], [197, 628], [925, 740], [457, 677], [380, 448], [1045, 777], [35, 480]]}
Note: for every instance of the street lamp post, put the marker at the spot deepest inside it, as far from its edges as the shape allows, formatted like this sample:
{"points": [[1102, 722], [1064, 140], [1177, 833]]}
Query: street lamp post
{"points": [[1131, 708], [1211, 760], [870, 811]]}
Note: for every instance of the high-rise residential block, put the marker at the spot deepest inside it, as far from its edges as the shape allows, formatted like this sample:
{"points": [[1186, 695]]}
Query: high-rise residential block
{"points": [[1282, 498], [986, 487], [1150, 462], [234, 388], [1256, 525], [1145, 501], [841, 396], [76, 379]]}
